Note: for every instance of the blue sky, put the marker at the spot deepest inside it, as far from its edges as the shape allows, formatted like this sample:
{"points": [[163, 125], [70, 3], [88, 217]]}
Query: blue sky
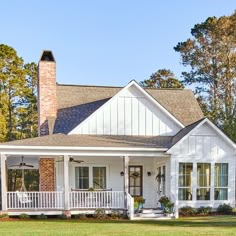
{"points": [[105, 42]]}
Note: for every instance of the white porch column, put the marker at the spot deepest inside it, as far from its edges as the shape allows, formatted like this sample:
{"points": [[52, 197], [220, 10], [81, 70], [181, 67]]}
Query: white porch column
{"points": [[174, 184], [126, 173], [3, 182], [126, 178], [66, 183]]}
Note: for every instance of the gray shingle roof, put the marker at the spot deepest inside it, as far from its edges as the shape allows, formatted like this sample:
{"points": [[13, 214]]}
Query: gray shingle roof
{"points": [[122, 141], [80, 140], [76, 103]]}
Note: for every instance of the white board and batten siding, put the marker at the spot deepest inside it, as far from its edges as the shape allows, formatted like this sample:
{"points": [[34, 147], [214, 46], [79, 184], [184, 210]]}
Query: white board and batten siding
{"points": [[204, 145], [128, 113]]}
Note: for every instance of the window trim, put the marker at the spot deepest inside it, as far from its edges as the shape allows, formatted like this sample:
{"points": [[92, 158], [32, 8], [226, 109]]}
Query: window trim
{"points": [[90, 166], [212, 184]]}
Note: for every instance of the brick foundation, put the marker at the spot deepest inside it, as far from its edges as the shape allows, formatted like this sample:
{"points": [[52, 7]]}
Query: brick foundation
{"points": [[47, 174]]}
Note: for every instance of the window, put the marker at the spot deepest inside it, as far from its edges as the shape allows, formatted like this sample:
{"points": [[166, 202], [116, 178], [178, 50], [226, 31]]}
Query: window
{"points": [[161, 180], [221, 181], [135, 180], [31, 179], [203, 181], [99, 177], [81, 177], [90, 177], [185, 181]]}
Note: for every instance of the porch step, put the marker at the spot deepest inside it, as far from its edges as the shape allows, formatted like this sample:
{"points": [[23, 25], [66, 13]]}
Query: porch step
{"points": [[152, 211], [151, 214]]}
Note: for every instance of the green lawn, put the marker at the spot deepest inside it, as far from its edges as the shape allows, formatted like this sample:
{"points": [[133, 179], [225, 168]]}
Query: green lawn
{"points": [[220, 225]]}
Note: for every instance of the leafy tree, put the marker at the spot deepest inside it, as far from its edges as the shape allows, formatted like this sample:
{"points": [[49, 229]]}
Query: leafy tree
{"points": [[17, 95], [210, 56], [28, 112], [163, 78]]}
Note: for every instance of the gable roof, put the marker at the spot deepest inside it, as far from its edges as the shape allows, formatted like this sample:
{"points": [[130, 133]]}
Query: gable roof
{"points": [[76, 103], [144, 93], [188, 130]]}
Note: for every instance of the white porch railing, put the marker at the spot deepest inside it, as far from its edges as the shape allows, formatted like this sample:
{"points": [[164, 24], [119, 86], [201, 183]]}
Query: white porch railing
{"points": [[35, 200], [97, 199], [130, 206]]}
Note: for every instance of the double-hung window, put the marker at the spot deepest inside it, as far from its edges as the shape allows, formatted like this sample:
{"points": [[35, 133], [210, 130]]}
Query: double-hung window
{"points": [[90, 177], [203, 181], [221, 181], [185, 181]]}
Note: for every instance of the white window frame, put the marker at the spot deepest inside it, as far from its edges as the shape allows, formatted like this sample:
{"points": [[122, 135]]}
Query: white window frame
{"points": [[212, 185], [90, 166]]}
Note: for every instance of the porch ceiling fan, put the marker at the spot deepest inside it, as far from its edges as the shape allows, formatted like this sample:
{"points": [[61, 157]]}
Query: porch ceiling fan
{"points": [[71, 159], [22, 164]]}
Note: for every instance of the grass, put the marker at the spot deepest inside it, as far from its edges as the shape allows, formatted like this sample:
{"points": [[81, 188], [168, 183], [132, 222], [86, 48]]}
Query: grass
{"points": [[197, 226]]}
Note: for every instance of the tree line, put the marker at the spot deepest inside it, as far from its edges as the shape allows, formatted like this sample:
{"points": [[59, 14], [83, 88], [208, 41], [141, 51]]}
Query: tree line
{"points": [[18, 102], [209, 57]]}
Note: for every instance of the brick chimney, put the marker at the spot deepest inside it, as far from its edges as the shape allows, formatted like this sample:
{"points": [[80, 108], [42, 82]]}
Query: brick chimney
{"points": [[47, 101]]}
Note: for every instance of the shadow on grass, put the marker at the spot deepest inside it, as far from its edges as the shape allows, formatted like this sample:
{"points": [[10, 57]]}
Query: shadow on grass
{"points": [[219, 221]]}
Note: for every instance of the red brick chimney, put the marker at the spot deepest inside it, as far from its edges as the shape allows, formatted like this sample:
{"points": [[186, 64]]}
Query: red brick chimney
{"points": [[47, 101]]}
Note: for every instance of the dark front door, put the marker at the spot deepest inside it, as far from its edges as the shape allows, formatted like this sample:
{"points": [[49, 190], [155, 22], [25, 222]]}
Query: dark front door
{"points": [[136, 180]]}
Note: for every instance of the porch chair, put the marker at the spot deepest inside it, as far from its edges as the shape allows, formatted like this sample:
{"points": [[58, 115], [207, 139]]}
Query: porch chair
{"points": [[23, 197]]}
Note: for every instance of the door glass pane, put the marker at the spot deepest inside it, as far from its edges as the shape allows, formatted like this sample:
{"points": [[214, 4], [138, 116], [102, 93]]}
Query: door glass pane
{"points": [[82, 177], [135, 180], [99, 177], [163, 180]]}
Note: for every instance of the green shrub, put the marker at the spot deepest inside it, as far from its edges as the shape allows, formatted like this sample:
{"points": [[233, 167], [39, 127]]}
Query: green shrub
{"points": [[204, 210], [41, 217], [4, 216], [80, 216], [24, 216], [62, 217], [234, 210], [187, 211], [224, 209], [100, 214], [115, 214]]}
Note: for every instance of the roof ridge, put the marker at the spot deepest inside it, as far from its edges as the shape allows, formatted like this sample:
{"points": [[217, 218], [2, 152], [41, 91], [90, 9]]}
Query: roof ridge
{"points": [[80, 85], [107, 86]]}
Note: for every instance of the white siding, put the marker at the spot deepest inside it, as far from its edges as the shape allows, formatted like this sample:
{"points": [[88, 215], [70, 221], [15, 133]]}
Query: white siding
{"points": [[130, 113], [114, 166], [203, 145]]}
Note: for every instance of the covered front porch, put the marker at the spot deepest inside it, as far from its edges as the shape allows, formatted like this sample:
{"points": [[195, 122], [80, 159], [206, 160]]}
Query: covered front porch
{"points": [[81, 181]]}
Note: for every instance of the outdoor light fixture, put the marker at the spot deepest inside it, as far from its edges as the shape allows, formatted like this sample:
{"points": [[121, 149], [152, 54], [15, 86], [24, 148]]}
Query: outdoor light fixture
{"points": [[149, 173], [122, 173]]}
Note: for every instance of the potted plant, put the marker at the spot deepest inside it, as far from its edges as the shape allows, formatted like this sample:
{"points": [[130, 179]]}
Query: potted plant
{"points": [[138, 203], [164, 200], [166, 205], [169, 208]]}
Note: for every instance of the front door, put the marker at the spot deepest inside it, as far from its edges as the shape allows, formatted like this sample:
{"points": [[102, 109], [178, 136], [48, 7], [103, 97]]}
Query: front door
{"points": [[161, 181], [136, 181]]}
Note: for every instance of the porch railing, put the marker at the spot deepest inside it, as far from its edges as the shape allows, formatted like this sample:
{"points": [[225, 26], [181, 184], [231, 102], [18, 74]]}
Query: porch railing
{"points": [[96, 199], [55, 200], [130, 206], [35, 200]]}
